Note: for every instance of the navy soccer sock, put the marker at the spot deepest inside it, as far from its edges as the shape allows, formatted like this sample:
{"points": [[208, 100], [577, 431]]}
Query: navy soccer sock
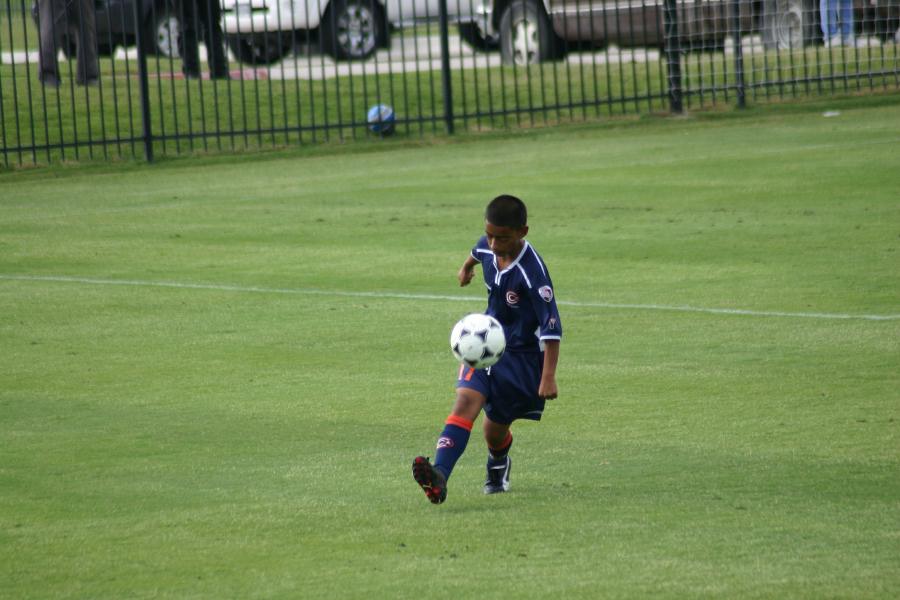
{"points": [[498, 455], [452, 443]]}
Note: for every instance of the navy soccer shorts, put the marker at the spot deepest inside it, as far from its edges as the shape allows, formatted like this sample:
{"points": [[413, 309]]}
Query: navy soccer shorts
{"points": [[510, 386]]}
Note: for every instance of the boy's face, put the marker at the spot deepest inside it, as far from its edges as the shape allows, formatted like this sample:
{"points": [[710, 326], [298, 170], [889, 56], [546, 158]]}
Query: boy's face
{"points": [[504, 241]]}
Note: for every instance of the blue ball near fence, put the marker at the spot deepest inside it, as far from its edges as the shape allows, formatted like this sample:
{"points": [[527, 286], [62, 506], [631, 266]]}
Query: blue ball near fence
{"points": [[381, 119]]}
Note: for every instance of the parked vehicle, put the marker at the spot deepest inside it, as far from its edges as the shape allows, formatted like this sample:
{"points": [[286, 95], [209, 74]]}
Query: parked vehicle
{"points": [[116, 27], [264, 31], [538, 30], [477, 30]]}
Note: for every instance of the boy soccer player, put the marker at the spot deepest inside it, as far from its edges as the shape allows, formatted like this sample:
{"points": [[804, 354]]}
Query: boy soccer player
{"points": [[520, 296]]}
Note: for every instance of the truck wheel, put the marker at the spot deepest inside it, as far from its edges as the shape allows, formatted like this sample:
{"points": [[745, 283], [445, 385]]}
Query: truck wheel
{"points": [[352, 29], [789, 24], [526, 36], [162, 35]]}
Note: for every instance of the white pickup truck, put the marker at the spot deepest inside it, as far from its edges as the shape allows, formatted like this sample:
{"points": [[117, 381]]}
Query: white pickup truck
{"points": [[264, 31]]}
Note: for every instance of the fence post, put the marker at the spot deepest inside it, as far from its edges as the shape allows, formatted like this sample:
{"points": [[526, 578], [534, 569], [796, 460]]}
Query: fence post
{"points": [[673, 55], [738, 54], [142, 77], [445, 66]]}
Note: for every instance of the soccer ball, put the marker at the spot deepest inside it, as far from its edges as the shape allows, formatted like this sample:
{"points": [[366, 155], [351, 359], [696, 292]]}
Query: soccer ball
{"points": [[381, 119], [477, 340]]}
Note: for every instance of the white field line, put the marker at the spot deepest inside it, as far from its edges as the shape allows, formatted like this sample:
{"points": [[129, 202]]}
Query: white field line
{"points": [[405, 296]]}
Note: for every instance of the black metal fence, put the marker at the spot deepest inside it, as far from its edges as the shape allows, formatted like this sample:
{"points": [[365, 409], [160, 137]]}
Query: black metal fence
{"points": [[142, 78]]}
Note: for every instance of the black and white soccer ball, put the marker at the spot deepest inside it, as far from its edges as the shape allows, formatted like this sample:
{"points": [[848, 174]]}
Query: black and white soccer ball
{"points": [[478, 340]]}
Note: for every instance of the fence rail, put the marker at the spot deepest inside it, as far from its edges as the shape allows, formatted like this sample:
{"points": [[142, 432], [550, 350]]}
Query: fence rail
{"points": [[162, 77]]}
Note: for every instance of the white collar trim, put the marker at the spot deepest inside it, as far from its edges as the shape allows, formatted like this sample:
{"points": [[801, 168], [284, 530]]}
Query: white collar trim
{"points": [[512, 265]]}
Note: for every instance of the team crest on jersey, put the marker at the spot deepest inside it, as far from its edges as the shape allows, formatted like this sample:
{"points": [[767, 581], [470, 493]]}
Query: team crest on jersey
{"points": [[512, 298], [445, 442], [546, 292]]}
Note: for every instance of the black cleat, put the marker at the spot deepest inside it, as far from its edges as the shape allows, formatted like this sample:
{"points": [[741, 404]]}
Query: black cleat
{"points": [[432, 481], [497, 477]]}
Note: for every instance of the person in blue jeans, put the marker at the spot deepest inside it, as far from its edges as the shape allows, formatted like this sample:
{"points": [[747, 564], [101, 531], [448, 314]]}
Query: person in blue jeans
{"points": [[837, 22]]}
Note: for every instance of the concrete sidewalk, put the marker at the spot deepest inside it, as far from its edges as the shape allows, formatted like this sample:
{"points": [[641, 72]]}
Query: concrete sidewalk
{"points": [[407, 54]]}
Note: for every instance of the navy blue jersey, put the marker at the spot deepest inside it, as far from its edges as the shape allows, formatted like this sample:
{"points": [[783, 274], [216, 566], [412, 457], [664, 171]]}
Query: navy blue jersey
{"points": [[520, 297]]}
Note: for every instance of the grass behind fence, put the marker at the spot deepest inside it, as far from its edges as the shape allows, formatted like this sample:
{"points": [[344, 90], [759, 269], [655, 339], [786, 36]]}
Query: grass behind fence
{"points": [[254, 111], [18, 30]]}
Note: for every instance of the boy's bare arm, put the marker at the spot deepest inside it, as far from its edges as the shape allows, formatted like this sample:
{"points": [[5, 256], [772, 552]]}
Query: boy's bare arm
{"points": [[467, 271], [547, 389]]}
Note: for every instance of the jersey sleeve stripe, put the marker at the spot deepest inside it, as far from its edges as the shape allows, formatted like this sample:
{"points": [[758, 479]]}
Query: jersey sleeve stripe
{"points": [[525, 275], [538, 260]]}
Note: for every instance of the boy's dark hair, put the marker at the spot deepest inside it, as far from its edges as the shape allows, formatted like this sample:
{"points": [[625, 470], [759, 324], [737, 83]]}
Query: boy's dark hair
{"points": [[507, 211]]}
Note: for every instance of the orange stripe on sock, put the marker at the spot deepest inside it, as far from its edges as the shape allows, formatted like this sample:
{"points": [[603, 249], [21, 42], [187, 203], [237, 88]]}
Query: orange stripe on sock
{"points": [[459, 422]]}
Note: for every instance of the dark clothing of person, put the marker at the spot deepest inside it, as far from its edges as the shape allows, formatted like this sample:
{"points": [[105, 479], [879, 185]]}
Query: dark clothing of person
{"points": [[202, 17], [68, 24]]}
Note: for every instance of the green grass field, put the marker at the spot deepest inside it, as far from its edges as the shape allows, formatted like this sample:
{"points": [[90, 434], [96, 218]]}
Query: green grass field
{"points": [[215, 372]]}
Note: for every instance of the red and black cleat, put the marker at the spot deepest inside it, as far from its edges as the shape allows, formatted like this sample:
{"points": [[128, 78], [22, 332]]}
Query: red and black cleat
{"points": [[432, 481]]}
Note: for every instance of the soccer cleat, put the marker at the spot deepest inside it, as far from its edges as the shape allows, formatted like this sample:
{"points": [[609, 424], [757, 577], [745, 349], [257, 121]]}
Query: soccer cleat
{"points": [[432, 481], [498, 477]]}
